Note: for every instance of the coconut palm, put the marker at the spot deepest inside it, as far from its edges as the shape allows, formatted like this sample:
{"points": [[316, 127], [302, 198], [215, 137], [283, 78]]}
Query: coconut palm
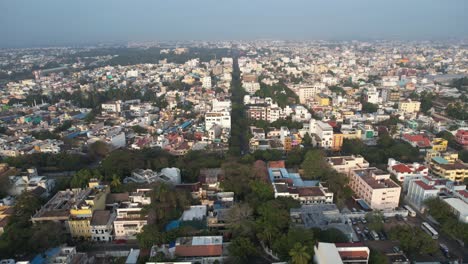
{"points": [[299, 254]]}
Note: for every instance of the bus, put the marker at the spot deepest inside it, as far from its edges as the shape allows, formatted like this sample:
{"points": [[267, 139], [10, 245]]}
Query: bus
{"points": [[430, 230], [410, 210]]}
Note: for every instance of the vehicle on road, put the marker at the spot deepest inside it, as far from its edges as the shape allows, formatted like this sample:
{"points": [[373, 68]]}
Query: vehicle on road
{"points": [[445, 250], [430, 230], [410, 210]]}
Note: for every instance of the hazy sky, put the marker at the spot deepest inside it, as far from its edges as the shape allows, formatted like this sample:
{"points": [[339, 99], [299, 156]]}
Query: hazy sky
{"points": [[57, 22]]}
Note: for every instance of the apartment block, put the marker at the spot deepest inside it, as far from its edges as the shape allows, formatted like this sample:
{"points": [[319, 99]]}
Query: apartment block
{"points": [[376, 188]]}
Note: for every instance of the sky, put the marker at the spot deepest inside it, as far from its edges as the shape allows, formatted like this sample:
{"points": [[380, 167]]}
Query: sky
{"points": [[26, 23]]}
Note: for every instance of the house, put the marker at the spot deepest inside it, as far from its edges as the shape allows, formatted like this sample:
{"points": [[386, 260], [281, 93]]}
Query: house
{"points": [[401, 171], [346, 164], [341, 253], [199, 248], [289, 184], [420, 141]]}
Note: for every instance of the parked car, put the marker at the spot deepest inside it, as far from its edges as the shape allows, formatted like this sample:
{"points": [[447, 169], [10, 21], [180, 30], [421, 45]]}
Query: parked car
{"points": [[396, 249]]}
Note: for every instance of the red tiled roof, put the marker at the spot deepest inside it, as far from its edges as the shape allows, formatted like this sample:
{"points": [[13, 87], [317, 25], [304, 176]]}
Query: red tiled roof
{"points": [[464, 193], [353, 254], [424, 185], [199, 251], [401, 168], [276, 164], [420, 140]]}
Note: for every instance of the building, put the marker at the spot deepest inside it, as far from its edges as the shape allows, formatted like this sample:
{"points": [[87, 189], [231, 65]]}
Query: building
{"points": [[321, 134], [112, 107], [423, 188], [130, 219], [401, 171], [322, 99], [307, 92], [323, 216], [439, 144], [219, 118], [420, 141], [204, 249], [206, 82], [456, 171], [5, 213], [167, 175], [30, 181], [459, 208], [376, 188], [340, 135], [341, 253], [57, 209], [102, 226], [409, 106], [257, 111], [346, 164], [462, 137], [288, 184], [81, 213], [63, 255]]}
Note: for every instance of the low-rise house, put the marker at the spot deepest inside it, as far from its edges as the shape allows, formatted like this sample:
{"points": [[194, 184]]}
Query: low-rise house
{"points": [[341, 253], [346, 164], [288, 184], [402, 171]]}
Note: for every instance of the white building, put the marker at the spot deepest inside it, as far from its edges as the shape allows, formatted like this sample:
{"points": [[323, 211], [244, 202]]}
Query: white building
{"points": [[206, 82], [129, 221], [220, 118], [112, 107], [102, 226], [327, 253], [321, 133]]}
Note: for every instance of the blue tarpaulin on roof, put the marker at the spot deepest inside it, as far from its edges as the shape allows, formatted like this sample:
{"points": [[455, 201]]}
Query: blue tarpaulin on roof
{"points": [[172, 225]]}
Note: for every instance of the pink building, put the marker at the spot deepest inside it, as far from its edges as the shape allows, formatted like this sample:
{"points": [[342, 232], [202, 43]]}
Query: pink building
{"points": [[462, 137]]}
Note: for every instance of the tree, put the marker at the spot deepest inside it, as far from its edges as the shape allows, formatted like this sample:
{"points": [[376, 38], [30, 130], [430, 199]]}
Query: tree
{"points": [[241, 250], [240, 220], [299, 254], [99, 149], [369, 107], [332, 235], [314, 164], [116, 185], [377, 257], [375, 220], [413, 240]]}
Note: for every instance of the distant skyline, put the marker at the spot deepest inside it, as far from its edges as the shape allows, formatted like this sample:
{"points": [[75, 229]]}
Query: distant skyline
{"points": [[26, 23]]}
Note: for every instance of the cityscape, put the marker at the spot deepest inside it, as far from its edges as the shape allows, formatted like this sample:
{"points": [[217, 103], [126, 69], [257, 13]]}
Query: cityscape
{"points": [[255, 150]]}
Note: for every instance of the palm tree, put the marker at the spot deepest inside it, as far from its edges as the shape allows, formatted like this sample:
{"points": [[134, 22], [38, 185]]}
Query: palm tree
{"points": [[299, 254], [115, 183]]}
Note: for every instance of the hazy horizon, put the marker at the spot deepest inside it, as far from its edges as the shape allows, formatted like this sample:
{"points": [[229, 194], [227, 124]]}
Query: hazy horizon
{"points": [[26, 23]]}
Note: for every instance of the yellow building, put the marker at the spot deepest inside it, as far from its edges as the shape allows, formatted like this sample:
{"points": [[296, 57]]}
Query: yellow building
{"points": [[440, 144], [81, 214], [456, 171], [409, 106], [5, 213], [322, 100], [338, 138], [450, 157]]}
